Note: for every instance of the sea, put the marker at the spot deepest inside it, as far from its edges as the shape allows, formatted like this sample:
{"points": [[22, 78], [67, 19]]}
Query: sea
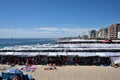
{"points": [[9, 42]]}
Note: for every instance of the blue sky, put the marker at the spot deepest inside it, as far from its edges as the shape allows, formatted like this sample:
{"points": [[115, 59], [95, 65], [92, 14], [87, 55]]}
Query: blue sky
{"points": [[55, 18]]}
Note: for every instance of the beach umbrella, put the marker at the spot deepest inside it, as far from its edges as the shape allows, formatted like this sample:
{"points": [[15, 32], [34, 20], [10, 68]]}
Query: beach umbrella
{"points": [[33, 54], [17, 53], [52, 54], [61, 53], [9, 53], [14, 70], [2, 53]]}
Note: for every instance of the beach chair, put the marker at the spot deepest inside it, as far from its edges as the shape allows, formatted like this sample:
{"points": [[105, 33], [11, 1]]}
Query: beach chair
{"points": [[4, 75], [28, 77], [11, 76]]}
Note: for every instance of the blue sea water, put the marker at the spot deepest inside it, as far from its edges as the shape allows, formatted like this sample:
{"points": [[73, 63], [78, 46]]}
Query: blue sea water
{"points": [[7, 42]]}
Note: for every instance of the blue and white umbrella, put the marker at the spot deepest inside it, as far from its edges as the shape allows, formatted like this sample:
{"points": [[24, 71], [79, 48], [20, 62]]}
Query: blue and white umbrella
{"points": [[14, 70]]}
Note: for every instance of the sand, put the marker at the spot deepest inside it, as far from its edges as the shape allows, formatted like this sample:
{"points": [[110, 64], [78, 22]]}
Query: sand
{"points": [[77, 73]]}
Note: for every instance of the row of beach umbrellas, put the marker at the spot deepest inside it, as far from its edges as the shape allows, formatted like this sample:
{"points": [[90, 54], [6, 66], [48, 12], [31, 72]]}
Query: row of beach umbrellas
{"points": [[81, 54]]}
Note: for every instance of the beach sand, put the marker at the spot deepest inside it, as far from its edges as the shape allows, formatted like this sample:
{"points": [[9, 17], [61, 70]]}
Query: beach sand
{"points": [[77, 73]]}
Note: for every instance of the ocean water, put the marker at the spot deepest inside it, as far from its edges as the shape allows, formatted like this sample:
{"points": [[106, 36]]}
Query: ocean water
{"points": [[7, 42]]}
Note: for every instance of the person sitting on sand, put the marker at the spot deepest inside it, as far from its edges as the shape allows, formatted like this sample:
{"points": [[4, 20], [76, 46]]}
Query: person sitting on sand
{"points": [[51, 67], [54, 66]]}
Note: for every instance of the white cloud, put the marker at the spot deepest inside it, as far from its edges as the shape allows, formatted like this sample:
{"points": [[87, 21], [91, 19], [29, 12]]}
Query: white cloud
{"points": [[48, 29], [42, 32]]}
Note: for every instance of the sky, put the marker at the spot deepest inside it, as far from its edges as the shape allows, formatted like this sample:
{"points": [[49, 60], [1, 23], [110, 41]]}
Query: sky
{"points": [[55, 18]]}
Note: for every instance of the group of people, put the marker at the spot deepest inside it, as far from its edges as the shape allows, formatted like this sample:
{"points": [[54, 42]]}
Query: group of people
{"points": [[17, 60], [81, 61], [93, 61], [58, 60]]}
